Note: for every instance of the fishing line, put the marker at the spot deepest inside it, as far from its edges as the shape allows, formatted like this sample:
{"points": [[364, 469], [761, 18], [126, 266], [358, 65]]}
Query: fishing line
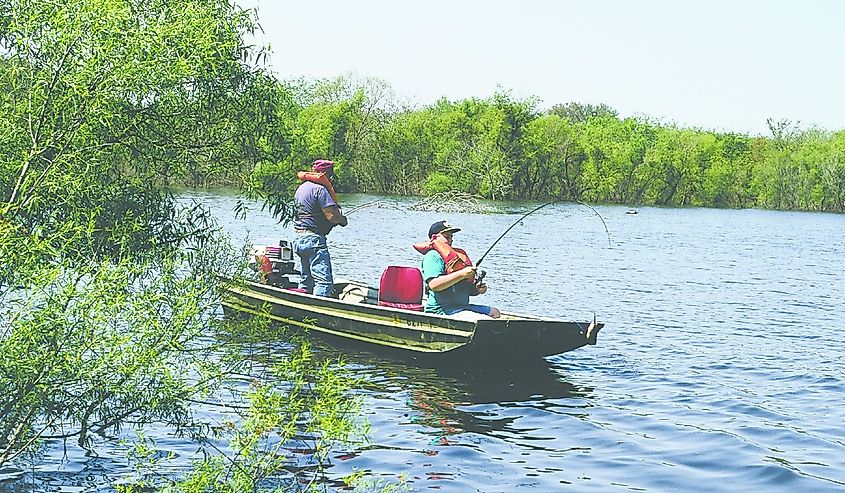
{"points": [[532, 211], [374, 203], [607, 231], [362, 206]]}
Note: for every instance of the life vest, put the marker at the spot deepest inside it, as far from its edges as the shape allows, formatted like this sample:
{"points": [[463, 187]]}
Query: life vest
{"points": [[319, 178], [454, 258]]}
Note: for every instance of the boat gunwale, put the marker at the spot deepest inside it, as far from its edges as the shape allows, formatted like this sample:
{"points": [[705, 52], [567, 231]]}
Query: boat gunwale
{"points": [[403, 313], [441, 347], [389, 321], [244, 295]]}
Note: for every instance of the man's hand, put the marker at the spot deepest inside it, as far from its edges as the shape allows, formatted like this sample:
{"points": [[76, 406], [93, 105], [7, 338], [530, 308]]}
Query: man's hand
{"points": [[481, 287], [334, 216], [467, 272], [444, 281]]}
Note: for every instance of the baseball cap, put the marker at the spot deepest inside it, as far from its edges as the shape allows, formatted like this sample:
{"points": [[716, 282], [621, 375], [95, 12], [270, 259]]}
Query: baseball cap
{"points": [[322, 165], [441, 227]]}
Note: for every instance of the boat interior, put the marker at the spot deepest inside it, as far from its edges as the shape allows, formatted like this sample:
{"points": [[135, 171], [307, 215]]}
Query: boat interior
{"points": [[400, 287], [355, 292]]}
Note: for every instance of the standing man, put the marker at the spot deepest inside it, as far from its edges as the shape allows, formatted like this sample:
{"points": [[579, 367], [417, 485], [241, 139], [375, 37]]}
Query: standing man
{"points": [[450, 286], [316, 213]]}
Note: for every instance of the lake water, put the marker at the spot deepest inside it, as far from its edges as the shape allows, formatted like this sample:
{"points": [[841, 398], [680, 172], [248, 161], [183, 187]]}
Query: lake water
{"points": [[718, 368]]}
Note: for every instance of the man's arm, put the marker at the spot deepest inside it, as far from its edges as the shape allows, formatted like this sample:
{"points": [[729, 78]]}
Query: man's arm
{"points": [[440, 283], [334, 216]]}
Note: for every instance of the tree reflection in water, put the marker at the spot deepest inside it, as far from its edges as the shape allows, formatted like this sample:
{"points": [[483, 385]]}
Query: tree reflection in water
{"points": [[452, 399]]}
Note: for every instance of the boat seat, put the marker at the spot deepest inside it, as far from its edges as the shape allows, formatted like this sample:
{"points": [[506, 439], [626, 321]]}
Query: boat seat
{"points": [[401, 287]]}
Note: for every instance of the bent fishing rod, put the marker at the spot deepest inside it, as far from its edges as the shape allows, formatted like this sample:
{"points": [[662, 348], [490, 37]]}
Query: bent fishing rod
{"points": [[382, 204], [363, 206], [532, 211]]}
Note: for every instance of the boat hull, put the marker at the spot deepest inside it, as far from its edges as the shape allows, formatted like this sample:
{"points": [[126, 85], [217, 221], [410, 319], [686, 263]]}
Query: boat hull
{"points": [[357, 319]]}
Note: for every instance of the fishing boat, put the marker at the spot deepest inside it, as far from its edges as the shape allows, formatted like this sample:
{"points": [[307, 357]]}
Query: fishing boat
{"points": [[390, 318]]}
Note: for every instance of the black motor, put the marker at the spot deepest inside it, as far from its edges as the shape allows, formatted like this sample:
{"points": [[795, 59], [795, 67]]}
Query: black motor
{"points": [[274, 264]]}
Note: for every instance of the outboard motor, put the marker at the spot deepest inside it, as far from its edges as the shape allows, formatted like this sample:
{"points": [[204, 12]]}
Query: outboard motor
{"points": [[274, 264]]}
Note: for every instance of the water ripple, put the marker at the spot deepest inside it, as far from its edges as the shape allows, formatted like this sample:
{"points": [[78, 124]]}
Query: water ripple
{"points": [[719, 368]]}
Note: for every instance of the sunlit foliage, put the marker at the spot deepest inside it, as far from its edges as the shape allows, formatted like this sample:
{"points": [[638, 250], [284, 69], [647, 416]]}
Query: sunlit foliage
{"points": [[109, 303]]}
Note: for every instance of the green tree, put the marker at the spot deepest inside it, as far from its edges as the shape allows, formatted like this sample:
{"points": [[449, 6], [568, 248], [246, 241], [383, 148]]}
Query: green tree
{"points": [[400, 155], [476, 143], [580, 112], [553, 159], [107, 281], [300, 402], [614, 149], [337, 120], [105, 101], [831, 163], [725, 181], [674, 166], [88, 349], [818, 157], [777, 175]]}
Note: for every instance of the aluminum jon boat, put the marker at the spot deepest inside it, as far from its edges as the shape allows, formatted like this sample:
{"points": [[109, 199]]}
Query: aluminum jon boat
{"points": [[359, 315]]}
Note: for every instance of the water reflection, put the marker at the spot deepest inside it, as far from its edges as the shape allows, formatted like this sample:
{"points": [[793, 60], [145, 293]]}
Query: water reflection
{"points": [[528, 381], [455, 398], [452, 400]]}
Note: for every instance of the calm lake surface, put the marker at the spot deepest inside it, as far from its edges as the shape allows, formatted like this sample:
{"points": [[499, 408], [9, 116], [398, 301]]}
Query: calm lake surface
{"points": [[718, 368]]}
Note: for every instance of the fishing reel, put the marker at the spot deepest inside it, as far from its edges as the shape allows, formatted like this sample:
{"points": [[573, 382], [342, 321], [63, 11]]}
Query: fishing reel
{"points": [[479, 276]]}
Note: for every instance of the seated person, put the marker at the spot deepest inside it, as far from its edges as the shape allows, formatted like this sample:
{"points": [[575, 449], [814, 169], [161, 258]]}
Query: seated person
{"points": [[449, 289]]}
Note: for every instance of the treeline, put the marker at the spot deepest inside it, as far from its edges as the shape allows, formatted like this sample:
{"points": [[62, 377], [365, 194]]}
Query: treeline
{"points": [[506, 148]]}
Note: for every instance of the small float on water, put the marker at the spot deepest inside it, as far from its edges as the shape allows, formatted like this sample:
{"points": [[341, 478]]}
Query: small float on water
{"points": [[391, 318]]}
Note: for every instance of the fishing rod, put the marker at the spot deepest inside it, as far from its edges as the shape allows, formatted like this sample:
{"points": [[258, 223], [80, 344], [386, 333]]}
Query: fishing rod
{"points": [[388, 204], [532, 211], [363, 206], [607, 231]]}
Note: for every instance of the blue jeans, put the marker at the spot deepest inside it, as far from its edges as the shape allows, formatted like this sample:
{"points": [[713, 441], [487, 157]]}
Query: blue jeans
{"points": [[482, 309], [472, 313], [316, 263]]}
